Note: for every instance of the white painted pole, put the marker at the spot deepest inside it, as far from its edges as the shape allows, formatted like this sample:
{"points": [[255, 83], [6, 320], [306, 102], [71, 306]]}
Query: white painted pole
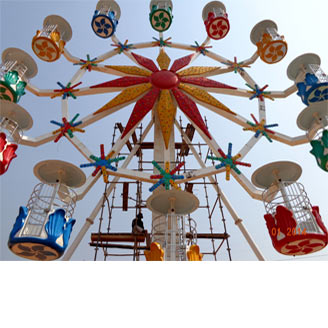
{"points": [[161, 154], [172, 228]]}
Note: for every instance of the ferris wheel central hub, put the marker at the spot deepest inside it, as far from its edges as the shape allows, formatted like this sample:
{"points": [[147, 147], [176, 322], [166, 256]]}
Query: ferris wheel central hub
{"points": [[164, 79]]}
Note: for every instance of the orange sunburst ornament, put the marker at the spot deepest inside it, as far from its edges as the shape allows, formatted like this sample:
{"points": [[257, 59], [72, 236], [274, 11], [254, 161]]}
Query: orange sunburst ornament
{"points": [[157, 88]]}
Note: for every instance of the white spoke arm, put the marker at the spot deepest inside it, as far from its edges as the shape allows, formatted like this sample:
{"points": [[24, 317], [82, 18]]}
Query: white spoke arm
{"points": [[285, 93], [234, 215]]}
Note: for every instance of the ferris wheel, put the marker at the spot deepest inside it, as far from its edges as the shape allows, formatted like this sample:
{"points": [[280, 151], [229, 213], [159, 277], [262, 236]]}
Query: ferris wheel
{"points": [[157, 90]]}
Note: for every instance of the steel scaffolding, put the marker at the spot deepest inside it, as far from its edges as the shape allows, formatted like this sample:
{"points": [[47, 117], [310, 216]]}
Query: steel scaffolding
{"points": [[128, 244]]}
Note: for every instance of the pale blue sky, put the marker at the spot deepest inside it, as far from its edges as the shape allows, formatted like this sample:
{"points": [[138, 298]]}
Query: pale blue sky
{"points": [[302, 23]]}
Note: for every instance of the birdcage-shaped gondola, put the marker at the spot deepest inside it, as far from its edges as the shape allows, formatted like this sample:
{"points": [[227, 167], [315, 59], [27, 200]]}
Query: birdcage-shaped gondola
{"points": [[216, 20], [160, 15], [16, 69], [49, 42], [42, 228], [105, 19], [271, 46], [294, 225], [310, 79]]}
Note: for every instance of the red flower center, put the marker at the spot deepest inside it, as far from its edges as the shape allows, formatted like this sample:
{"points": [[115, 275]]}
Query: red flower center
{"points": [[164, 79]]}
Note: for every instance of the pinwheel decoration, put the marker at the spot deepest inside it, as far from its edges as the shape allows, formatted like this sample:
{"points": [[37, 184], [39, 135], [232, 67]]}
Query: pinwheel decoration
{"points": [[166, 177], [258, 92], [67, 127], [66, 91], [228, 161], [88, 63], [103, 163], [260, 128]]}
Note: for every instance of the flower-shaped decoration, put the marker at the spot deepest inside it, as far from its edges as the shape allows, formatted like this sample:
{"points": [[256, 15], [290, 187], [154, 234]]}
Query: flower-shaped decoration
{"points": [[237, 66], [45, 48], [66, 91], [259, 93], [89, 63], [228, 161], [202, 49], [12, 87], [260, 128], [320, 150], [39, 252], [103, 163], [274, 52], [160, 20], [120, 47], [104, 26], [161, 42], [150, 84], [320, 94], [166, 177], [303, 247], [217, 27], [7, 152], [67, 127]]}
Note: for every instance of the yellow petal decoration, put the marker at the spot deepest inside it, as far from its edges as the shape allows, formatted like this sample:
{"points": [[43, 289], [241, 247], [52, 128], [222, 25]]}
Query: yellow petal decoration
{"points": [[196, 70], [163, 60], [166, 113], [55, 36], [156, 252], [194, 253], [130, 70], [204, 96], [125, 96]]}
